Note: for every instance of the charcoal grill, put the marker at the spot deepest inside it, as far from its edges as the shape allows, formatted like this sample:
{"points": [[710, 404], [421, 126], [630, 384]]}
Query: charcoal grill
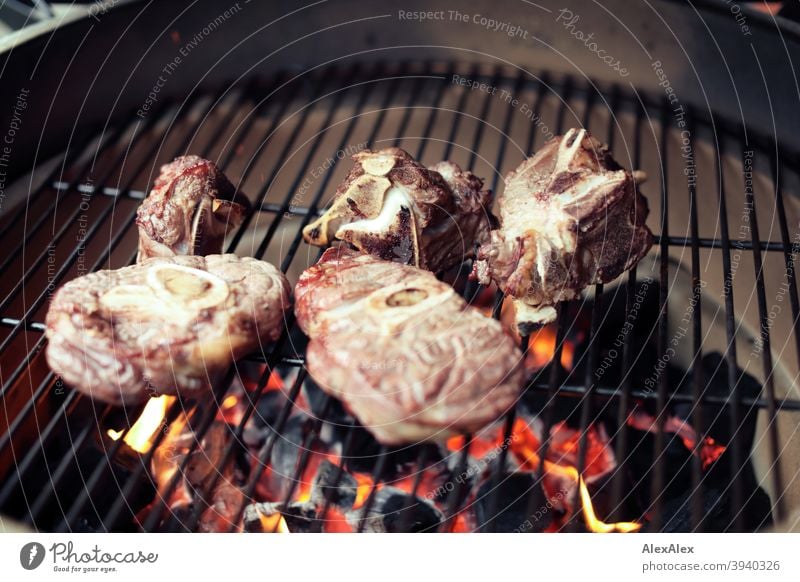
{"points": [[270, 133]]}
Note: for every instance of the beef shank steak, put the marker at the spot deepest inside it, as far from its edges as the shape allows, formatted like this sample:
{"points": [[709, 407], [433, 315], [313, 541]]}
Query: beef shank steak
{"points": [[403, 350], [164, 326]]}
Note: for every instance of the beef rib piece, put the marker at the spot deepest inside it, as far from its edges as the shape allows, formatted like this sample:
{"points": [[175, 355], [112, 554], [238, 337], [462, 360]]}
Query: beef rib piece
{"points": [[570, 217], [393, 207], [402, 350], [165, 326], [189, 210]]}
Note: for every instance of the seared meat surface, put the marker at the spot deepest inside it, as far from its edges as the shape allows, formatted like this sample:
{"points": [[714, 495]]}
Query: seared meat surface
{"points": [[189, 210], [393, 207], [570, 217], [164, 326], [402, 350]]}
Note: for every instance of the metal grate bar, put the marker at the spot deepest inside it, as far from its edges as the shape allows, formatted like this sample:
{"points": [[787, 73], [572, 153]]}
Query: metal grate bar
{"points": [[698, 387], [454, 501], [766, 348], [789, 260], [69, 156], [109, 137], [658, 472], [276, 123], [621, 450], [734, 406], [377, 476]]}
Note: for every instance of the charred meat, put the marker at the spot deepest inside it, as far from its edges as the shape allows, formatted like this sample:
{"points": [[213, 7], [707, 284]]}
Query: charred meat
{"points": [[189, 210], [164, 326], [570, 217], [393, 207], [402, 350]]}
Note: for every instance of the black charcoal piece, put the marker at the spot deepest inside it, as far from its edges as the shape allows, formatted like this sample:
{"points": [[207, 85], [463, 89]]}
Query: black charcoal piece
{"points": [[509, 511], [324, 487], [395, 511]]}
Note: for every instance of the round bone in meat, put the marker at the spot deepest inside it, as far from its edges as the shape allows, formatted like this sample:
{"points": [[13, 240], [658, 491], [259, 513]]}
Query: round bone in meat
{"points": [[168, 325], [402, 350]]}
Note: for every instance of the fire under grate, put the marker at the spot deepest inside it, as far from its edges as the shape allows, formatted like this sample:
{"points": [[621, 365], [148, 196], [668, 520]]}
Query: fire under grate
{"points": [[272, 452]]}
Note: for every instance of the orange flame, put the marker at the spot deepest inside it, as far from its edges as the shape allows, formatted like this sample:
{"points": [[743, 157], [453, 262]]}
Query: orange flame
{"points": [[594, 524], [273, 523], [542, 348], [140, 436]]}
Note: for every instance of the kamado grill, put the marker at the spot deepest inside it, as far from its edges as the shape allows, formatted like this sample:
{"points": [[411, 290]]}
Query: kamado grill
{"points": [[664, 401]]}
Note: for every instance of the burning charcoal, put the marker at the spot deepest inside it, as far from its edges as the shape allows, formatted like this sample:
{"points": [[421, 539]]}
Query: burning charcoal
{"points": [[395, 511], [298, 517], [221, 513], [510, 514], [324, 487], [205, 462], [716, 419]]}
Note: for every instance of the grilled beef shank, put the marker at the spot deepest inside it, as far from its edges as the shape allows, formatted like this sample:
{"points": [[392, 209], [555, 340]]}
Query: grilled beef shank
{"points": [[164, 326], [402, 350], [570, 217], [395, 208], [189, 210]]}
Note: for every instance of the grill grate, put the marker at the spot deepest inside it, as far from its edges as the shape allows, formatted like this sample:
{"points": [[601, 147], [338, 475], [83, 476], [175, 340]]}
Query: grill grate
{"points": [[284, 127]]}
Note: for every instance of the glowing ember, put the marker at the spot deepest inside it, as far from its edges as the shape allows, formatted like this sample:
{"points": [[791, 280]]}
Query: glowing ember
{"points": [[594, 524], [140, 436], [708, 451]]}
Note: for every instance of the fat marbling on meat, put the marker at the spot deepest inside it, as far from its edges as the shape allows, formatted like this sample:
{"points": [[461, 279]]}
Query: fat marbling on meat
{"points": [[570, 217], [393, 207], [403, 350], [168, 325]]}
